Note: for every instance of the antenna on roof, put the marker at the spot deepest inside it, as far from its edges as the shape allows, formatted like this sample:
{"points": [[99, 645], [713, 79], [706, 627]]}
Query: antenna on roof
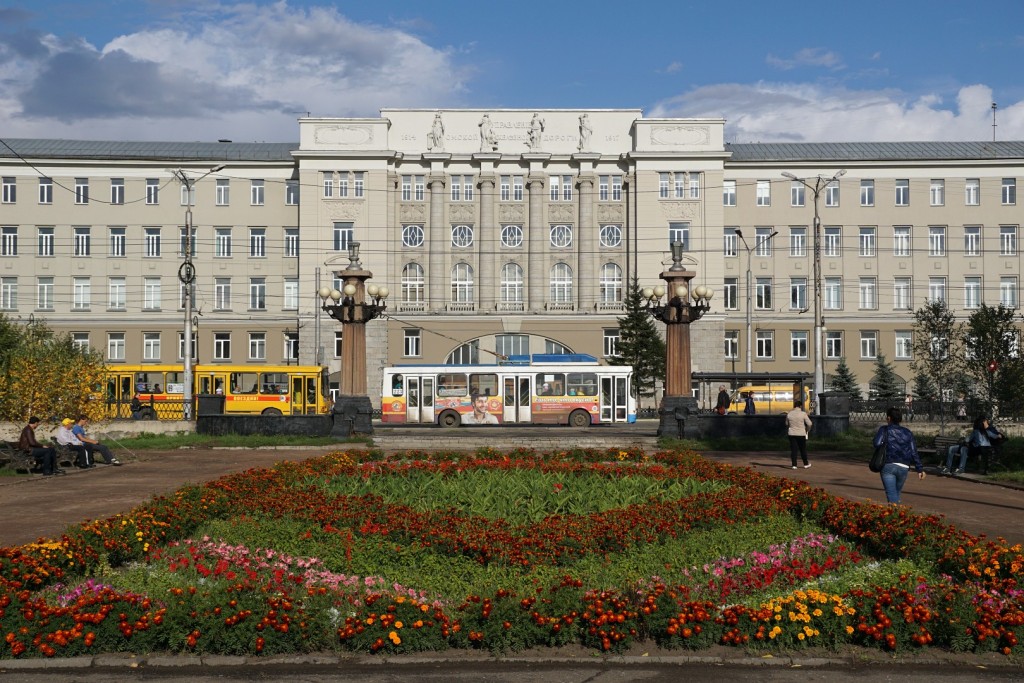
{"points": [[993, 122]]}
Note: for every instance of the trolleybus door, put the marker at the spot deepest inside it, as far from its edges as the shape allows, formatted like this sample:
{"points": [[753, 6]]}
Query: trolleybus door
{"points": [[614, 399], [419, 399], [517, 396]]}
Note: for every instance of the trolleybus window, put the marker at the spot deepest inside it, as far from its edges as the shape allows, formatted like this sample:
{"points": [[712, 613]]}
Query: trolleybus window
{"points": [[485, 385], [582, 384], [551, 383], [397, 386], [275, 383], [452, 384], [244, 383]]}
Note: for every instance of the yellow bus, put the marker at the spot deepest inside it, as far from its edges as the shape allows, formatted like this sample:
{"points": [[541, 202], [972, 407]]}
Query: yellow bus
{"points": [[247, 389]]}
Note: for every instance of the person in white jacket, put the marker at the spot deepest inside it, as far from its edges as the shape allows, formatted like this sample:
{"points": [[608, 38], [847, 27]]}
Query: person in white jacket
{"points": [[797, 426]]}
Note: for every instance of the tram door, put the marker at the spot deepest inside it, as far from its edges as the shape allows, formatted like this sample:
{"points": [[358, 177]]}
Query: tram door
{"points": [[419, 399], [614, 399], [517, 396]]}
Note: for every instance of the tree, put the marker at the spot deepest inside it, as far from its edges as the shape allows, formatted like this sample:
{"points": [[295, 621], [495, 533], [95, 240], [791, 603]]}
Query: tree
{"points": [[48, 375], [885, 384], [924, 388], [938, 349], [640, 345], [845, 381], [991, 355]]}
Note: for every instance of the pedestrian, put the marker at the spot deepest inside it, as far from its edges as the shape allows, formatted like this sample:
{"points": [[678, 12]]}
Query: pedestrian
{"points": [[748, 403], [908, 408], [65, 437], [797, 427], [93, 445], [722, 406], [983, 440], [900, 455], [45, 456]]}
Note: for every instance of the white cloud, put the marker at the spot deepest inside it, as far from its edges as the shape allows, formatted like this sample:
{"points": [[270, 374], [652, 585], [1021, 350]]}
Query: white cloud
{"points": [[794, 112], [808, 56]]}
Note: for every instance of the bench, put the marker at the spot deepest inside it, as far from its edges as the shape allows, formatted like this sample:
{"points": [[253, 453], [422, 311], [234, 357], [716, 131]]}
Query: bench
{"points": [[13, 457], [65, 456], [941, 447]]}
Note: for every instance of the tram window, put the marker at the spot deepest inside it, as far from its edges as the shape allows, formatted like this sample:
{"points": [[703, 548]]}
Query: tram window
{"points": [[243, 382], [485, 385], [582, 383], [175, 383], [147, 382], [275, 383]]}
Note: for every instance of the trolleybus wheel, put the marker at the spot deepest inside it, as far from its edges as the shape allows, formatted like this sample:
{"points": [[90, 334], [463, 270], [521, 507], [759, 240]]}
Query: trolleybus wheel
{"points": [[579, 418], [449, 418]]}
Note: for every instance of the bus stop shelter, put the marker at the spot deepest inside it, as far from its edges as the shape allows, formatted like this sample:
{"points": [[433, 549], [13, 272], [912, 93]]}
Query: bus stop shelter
{"points": [[708, 382]]}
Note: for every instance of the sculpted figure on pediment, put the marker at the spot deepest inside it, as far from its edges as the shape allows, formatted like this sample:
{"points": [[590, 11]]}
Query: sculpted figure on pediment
{"points": [[488, 143], [435, 138]]}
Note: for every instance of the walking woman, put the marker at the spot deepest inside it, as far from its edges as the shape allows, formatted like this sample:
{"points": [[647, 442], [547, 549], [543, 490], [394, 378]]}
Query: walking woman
{"points": [[900, 455], [797, 426]]}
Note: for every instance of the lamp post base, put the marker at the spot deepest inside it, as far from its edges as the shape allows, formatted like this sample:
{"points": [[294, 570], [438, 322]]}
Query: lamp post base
{"points": [[352, 415], [673, 412]]}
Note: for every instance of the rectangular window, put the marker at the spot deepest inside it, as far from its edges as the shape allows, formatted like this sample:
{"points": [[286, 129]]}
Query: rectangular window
{"points": [[797, 241], [833, 241], [152, 191], [291, 193], [679, 186], [732, 344], [118, 294], [972, 292], [152, 242], [83, 240], [868, 299], [412, 346], [833, 294], [1009, 191], [763, 293], [81, 294], [730, 293], [222, 242], [46, 191], [937, 192], [972, 240], [115, 346], [866, 243], [1008, 291], [610, 342], [936, 240], [329, 184], [798, 293], [764, 193], [44, 240], [256, 193], [867, 192], [257, 293], [504, 188], [797, 193], [222, 346], [419, 188], [9, 240], [679, 232], [901, 240], [1007, 240], [833, 344], [81, 190], [936, 289], [257, 242], [360, 186], [729, 243], [972, 192], [222, 293], [517, 188], [765, 344], [728, 193], [763, 241], [902, 189], [462, 188], [291, 294], [257, 346], [151, 297], [10, 190], [694, 185], [223, 196], [904, 345], [117, 242], [798, 345], [832, 193], [291, 242], [80, 340], [663, 183], [901, 299], [183, 239], [291, 346], [337, 344], [44, 294], [151, 346], [117, 190], [342, 236], [343, 184], [9, 293], [188, 195], [868, 344]]}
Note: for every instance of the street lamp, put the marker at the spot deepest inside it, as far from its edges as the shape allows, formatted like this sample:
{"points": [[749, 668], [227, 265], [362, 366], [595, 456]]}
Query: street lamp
{"points": [[187, 276], [677, 313], [816, 185], [757, 244], [352, 410]]}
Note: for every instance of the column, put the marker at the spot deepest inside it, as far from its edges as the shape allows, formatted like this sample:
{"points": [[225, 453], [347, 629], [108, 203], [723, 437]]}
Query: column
{"points": [[487, 261], [438, 277], [586, 246], [536, 239]]}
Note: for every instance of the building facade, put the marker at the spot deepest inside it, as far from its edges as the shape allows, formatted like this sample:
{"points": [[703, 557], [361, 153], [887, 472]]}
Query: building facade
{"points": [[502, 232]]}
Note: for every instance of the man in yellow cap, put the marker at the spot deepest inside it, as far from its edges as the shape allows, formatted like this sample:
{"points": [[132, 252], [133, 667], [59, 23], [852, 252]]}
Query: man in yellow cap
{"points": [[66, 438]]}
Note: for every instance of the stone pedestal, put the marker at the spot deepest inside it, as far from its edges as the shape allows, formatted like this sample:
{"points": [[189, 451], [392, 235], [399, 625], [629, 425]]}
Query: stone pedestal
{"points": [[352, 415], [673, 413]]}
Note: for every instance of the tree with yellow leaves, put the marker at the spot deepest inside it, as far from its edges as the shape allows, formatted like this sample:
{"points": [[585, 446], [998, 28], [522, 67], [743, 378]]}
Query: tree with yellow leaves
{"points": [[46, 374]]}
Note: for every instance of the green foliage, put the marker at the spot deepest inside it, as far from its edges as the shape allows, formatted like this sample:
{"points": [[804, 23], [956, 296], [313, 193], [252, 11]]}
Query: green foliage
{"points": [[925, 388], [844, 380], [885, 384], [992, 337], [938, 347], [640, 343]]}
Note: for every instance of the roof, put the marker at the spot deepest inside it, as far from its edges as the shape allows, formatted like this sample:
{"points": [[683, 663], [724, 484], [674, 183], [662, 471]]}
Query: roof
{"points": [[873, 151], [38, 148]]}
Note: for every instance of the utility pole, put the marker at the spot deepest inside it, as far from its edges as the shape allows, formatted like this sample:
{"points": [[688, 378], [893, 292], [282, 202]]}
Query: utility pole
{"points": [[757, 245]]}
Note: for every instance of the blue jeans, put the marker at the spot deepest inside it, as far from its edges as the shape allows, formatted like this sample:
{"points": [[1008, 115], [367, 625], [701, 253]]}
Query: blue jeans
{"points": [[893, 478]]}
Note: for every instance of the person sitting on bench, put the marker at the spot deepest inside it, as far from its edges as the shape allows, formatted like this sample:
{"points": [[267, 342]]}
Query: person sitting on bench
{"points": [[45, 456]]}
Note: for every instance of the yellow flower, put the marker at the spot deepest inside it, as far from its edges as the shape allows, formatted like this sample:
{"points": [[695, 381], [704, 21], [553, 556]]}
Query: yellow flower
{"points": [[393, 637], [398, 624]]}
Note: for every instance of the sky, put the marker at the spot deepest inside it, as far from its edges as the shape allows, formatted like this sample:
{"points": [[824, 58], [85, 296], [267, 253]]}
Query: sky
{"points": [[203, 70]]}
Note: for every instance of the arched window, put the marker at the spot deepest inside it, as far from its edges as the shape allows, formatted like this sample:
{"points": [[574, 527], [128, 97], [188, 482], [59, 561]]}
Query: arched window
{"points": [[467, 354], [462, 283], [611, 283], [561, 283], [511, 283], [412, 283]]}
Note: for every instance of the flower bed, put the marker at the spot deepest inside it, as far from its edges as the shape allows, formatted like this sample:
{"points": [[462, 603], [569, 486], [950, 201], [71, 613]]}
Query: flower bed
{"points": [[506, 551]]}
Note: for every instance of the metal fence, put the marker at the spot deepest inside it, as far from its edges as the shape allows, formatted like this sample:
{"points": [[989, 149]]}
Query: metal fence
{"points": [[933, 411]]}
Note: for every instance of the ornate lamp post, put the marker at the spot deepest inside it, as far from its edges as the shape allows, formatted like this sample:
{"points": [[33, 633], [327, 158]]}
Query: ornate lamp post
{"points": [[677, 313], [352, 411]]}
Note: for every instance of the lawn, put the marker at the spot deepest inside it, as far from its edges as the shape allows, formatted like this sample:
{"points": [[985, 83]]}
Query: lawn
{"points": [[504, 551]]}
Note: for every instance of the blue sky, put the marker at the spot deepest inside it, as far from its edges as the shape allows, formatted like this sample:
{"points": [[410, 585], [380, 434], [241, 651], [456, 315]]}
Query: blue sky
{"points": [[211, 69]]}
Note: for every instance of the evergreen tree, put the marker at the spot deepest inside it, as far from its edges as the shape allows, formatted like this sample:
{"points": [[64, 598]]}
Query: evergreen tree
{"points": [[885, 384], [924, 388], [844, 380], [640, 344]]}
